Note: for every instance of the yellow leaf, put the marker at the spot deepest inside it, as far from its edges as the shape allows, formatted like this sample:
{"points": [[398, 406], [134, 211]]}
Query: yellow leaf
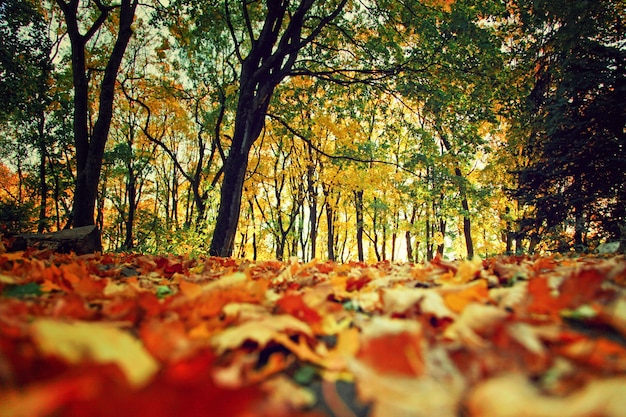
{"points": [[6, 279], [512, 395], [92, 341], [468, 270], [260, 331]]}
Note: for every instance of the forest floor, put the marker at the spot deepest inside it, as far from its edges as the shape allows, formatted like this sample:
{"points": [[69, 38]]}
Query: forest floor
{"points": [[138, 335]]}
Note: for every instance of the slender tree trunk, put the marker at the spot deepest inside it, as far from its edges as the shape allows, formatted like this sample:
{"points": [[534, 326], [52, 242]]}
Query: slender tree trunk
{"points": [[429, 244], [328, 209], [383, 244], [131, 188], [394, 237], [467, 229], [330, 242], [359, 224], [409, 243], [43, 184], [312, 193]]}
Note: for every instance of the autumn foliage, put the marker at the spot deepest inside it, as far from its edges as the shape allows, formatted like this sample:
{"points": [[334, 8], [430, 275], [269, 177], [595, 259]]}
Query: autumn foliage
{"points": [[129, 335]]}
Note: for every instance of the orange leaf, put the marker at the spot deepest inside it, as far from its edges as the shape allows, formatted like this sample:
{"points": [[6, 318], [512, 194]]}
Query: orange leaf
{"points": [[189, 289], [88, 286], [101, 342], [580, 288], [543, 298], [475, 292], [294, 305], [392, 346]]}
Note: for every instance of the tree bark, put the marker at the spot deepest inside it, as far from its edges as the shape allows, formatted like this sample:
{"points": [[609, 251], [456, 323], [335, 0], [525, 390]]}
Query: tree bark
{"points": [[467, 228], [359, 224], [43, 184], [90, 145], [270, 59], [330, 226], [312, 196], [467, 224]]}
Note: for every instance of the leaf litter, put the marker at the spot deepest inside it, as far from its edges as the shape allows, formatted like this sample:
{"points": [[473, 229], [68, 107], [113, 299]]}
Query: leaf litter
{"points": [[126, 335]]}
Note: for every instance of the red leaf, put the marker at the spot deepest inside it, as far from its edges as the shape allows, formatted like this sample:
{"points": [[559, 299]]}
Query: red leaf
{"points": [[355, 284], [543, 300], [294, 305]]}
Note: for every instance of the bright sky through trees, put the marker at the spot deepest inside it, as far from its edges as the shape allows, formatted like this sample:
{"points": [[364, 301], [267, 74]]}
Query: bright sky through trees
{"points": [[346, 130]]}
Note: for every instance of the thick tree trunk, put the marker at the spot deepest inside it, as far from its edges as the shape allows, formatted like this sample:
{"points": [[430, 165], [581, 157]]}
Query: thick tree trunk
{"points": [[230, 204], [270, 59]]}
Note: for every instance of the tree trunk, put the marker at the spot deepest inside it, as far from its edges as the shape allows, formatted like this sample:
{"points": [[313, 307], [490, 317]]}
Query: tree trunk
{"points": [[312, 194], [313, 223], [90, 148], [429, 244], [330, 242], [409, 243], [131, 190], [230, 204], [270, 59], [43, 184], [359, 224], [442, 229], [467, 229]]}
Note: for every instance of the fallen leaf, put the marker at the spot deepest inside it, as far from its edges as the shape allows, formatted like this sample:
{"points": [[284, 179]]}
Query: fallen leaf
{"points": [[44, 399], [402, 396], [260, 331], [475, 323], [513, 395], [78, 342], [460, 297], [293, 304]]}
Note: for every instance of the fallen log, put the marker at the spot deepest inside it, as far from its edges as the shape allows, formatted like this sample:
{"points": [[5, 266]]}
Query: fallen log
{"points": [[80, 240]]}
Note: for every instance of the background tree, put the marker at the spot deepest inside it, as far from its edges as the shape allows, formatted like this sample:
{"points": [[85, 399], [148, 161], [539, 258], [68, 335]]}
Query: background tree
{"points": [[25, 97], [576, 176], [82, 23]]}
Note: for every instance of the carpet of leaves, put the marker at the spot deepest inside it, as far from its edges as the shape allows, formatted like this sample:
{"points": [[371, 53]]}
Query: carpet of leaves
{"points": [[129, 335]]}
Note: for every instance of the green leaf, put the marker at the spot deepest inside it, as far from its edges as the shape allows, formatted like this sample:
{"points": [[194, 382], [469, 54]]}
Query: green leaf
{"points": [[163, 291], [19, 291], [305, 374], [583, 312]]}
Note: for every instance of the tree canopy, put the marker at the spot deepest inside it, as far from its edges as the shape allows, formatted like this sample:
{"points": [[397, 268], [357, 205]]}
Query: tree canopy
{"points": [[577, 139], [348, 130]]}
